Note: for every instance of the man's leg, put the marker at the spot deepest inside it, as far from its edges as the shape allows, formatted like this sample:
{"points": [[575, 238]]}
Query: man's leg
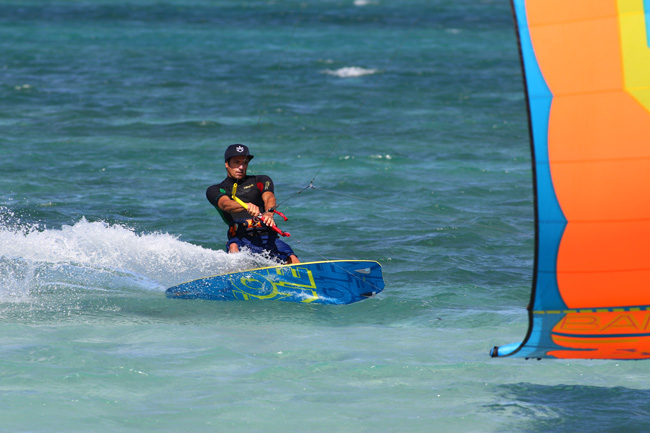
{"points": [[233, 245], [285, 250]]}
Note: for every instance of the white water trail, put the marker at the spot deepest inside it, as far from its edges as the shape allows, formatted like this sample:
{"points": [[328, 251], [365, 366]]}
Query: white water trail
{"points": [[104, 257]]}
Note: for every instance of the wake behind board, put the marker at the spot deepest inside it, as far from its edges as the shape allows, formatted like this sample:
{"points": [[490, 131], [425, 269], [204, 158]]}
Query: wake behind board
{"points": [[331, 282]]}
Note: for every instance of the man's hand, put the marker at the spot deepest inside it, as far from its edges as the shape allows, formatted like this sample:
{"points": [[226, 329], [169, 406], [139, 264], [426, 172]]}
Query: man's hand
{"points": [[267, 219], [253, 210]]}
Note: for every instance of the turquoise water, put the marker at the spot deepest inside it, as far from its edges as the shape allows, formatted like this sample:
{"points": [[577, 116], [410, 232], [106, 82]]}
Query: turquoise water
{"points": [[409, 117]]}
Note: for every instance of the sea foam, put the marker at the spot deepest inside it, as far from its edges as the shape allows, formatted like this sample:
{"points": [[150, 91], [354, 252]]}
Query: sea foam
{"points": [[101, 256], [350, 72]]}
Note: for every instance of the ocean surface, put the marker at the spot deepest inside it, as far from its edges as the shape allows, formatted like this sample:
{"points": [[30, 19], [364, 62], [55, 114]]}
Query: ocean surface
{"points": [[394, 131]]}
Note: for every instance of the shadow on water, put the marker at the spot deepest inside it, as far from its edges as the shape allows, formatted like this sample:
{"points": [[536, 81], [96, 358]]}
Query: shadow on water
{"points": [[74, 303], [35, 292], [573, 408]]}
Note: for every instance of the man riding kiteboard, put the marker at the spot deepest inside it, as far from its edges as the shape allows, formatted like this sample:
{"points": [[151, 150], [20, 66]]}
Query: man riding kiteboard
{"points": [[247, 205]]}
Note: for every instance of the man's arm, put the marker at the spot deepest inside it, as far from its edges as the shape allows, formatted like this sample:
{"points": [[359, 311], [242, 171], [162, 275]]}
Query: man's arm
{"points": [[269, 203], [229, 205]]}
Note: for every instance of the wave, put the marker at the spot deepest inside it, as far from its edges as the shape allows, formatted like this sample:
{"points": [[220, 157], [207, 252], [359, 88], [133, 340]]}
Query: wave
{"points": [[97, 256], [350, 72]]}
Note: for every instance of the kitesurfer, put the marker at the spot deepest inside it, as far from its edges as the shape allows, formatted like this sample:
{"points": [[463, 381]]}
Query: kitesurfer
{"points": [[250, 227]]}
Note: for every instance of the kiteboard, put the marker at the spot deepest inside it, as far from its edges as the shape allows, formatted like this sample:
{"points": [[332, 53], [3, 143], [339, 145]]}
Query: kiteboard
{"points": [[327, 282]]}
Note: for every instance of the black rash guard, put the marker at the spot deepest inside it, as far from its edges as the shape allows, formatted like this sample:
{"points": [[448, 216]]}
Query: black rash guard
{"points": [[249, 190]]}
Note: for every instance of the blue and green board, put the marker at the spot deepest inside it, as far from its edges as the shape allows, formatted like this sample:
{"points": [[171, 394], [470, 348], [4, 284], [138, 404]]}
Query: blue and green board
{"points": [[330, 282]]}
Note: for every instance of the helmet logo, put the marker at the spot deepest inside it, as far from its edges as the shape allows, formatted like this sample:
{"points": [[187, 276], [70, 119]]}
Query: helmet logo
{"points": [[240, 149]]}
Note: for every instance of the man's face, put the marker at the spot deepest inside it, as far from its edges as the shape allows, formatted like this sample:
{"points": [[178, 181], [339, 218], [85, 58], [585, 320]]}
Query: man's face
{"points": [[236, 167]]}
